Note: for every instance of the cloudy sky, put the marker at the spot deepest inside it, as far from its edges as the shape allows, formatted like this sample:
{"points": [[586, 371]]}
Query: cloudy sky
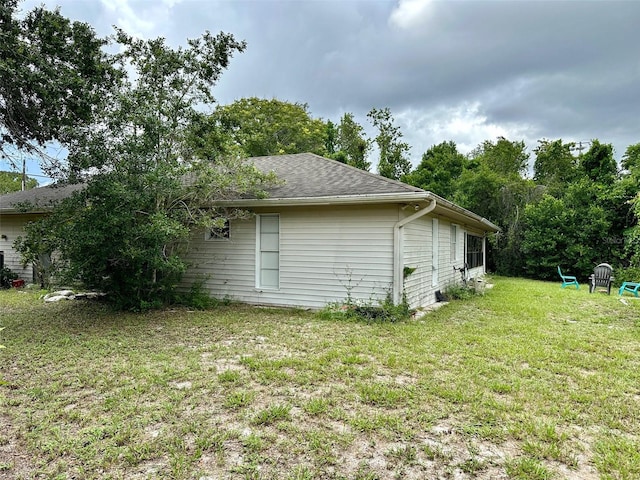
{"points": [[461, 70]]}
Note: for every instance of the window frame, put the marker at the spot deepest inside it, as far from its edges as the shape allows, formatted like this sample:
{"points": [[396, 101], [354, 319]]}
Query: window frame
{"points": [[453, 254], [474, 250], [260, 284]]}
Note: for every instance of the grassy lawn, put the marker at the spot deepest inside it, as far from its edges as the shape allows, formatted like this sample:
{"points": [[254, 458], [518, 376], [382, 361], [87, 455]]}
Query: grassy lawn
{"points": [[529, 381]]}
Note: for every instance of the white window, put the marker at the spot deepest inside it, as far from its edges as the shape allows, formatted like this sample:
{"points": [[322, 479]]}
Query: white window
{"points": [[221, 232], [454, 243], [268, 251]]}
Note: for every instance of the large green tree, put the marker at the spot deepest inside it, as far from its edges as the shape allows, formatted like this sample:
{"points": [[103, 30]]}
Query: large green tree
{"points": [[439, 171], [352, 141], [259, 126], [598, 163], [12, 182], [505, 157], [150, 185], [54, 76], [555, 166], [393, 162], [629, 184], [492, 185]]}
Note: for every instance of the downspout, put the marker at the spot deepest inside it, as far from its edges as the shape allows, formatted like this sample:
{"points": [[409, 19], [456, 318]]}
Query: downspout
{"points": [[484, 253], [398, 257]]}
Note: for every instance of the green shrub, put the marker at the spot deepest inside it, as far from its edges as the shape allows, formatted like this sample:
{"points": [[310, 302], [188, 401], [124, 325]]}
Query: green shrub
{"points": [[384, 311], [6, 276], [459, 292], [629, 274]]}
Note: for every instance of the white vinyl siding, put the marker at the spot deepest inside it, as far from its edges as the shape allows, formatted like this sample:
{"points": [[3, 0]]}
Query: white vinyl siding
{"points": [[417, 241], [419, 254], [268, 251], [324, 253], [12, 227]]}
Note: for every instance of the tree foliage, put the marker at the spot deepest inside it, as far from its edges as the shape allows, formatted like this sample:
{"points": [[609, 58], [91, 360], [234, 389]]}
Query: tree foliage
{"points": [[598, 163], [554, 166], [258, 127], [53, 77], [149, 184], [393, 162], [353, 143], [439, 171], [12, 182]]}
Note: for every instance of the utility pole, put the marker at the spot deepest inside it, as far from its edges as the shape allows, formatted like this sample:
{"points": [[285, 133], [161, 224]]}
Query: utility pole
{"points": [[24, 174], [580, 147]]}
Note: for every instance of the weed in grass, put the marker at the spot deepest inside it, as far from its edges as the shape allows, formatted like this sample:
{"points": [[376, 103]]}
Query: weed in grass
{"points": [[365, 472], [321, 444], [472, 466], [365, 423], [404, 454], [273, 376], [249, 470], [301, 473], [527, 468], [436, 452], [229, 377], [353, 359], [380, 394], [272, 414], [238, 399], [253, 443], [316, 406], [210, 440], [252, 363]]}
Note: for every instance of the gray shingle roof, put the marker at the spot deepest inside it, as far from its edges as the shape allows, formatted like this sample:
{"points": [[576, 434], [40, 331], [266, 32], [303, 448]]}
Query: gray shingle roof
{"points": [[307, 175], [42, 198]]}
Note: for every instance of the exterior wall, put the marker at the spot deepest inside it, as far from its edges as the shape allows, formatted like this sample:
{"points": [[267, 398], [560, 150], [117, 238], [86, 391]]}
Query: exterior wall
{"points": [[324, 253], [417, 238], [12, 226]]}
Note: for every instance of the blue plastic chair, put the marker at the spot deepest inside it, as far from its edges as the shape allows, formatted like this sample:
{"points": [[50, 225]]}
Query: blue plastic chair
{"points": [[568, 280]]}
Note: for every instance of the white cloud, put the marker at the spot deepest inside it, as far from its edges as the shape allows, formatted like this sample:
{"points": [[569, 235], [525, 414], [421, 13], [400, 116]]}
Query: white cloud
{"points": [[410, 14], [465, 124], [141, 20]]}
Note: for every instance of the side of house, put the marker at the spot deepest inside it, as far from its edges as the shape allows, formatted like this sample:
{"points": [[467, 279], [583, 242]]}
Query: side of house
{"points": [[312, 256], [12, 227], [299, 256]]}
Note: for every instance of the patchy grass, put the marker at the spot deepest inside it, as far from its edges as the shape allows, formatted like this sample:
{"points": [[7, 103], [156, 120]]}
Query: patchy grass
{"points": [[529, 381]]}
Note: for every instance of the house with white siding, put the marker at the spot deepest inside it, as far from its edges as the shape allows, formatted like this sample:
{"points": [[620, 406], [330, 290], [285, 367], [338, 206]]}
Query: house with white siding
{"points": [[326, 232], [330, 231], [16, 210]]}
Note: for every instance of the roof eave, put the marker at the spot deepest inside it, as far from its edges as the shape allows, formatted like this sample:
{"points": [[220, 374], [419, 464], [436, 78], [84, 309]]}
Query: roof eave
{"points": [[452, 207], [385, 198], [22, 211], [328, 200]]}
